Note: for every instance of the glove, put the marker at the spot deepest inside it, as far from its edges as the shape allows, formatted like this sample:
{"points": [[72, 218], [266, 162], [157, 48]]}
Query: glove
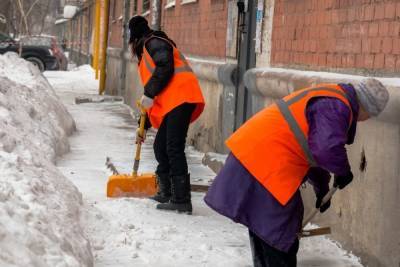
{"points": [[343, 181], [146, 102], [140, 139], [322, 208]]}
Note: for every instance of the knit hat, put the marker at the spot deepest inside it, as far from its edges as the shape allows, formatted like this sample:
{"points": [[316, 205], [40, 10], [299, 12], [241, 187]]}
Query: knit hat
{"points": [[138, 27], [372, 95]]}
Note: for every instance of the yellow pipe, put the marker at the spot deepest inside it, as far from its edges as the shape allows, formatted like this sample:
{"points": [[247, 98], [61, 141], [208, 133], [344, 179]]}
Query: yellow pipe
{"points": [[93, 37], [103, 58], [97, 39]]}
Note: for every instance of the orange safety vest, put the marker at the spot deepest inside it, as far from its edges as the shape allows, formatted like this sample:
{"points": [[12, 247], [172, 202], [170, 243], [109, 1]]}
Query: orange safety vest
{"points": [[273, 145], [182, 88]]}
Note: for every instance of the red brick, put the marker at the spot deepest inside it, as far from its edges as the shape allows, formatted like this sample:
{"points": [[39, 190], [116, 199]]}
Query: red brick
{"points": [[342, 15], [313, 46], [398, 10], [355, 45], [349, 61], [390, 10], [359, 61], [394, 29], [335, 17], [387, 45], [338, 63], [379, 61], [396, 46], [366, 45], [390, 62], [364, 29], [384, 28], [330, 60], [369, 61], [373, 29], [398, 64], [322, 46], [322, 60], [376, 45], [351, 15], [369, 12], [379, 11]]}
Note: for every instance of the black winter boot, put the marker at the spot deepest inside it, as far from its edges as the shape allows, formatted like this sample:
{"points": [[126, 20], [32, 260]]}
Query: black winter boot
{"points": [[181, 199], [164, 189]]}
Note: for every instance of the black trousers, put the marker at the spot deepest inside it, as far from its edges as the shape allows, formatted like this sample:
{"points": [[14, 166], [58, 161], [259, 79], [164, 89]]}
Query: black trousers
{"points": [[266, 256], [169, 144]]}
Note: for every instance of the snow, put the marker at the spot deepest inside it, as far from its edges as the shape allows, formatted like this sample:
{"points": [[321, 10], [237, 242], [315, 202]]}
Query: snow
{"points": [[39, 207], [131, 232], [392, 82]]}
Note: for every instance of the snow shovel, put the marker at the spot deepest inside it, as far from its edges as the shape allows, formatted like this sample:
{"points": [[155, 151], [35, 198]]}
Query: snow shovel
{"points": [[133, 185], [318, 231]]}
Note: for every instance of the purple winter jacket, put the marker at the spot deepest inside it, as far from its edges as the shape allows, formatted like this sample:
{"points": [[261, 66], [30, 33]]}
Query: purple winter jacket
{"points": [[236, 194]]}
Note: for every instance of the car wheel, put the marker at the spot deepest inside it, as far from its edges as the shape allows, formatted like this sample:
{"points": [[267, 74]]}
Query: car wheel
{"points": [[37, 62]]}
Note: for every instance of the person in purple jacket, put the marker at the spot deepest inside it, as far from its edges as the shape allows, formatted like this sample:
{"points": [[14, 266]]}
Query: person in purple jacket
{"points": [[273, 227]]}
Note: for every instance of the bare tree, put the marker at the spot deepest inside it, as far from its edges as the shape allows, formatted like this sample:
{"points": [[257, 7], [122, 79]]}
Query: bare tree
{"points": [[27, 17]]}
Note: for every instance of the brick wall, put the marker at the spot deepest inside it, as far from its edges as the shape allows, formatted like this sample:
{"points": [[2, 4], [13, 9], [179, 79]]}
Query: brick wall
{"points": [[350, 35], [197, 28], [116, 22]]}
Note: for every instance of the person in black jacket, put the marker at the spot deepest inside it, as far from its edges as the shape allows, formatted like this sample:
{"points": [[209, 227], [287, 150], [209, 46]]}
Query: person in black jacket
{"points": [[169, 145]]}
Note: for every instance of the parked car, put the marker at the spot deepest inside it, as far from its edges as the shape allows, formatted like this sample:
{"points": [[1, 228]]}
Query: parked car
{"points": [[49, 42], [40, 56]]}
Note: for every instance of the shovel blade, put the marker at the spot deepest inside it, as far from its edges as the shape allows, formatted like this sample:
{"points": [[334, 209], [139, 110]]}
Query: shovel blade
{"points": [[127, 185]]}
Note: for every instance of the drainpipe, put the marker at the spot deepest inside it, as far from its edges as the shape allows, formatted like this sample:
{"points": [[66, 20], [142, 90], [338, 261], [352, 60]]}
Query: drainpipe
{"points": [[125, 47], [103, 61], [156, 14], [97, 39]]}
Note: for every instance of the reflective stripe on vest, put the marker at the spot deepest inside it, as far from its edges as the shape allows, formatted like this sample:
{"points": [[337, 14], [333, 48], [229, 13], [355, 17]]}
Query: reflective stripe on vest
{"points": [[294, 126], [185, 68]]}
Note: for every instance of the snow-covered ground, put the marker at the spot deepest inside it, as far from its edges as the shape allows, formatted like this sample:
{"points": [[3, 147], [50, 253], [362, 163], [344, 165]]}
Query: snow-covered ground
{"points": [[39, 207], [130, 232]]}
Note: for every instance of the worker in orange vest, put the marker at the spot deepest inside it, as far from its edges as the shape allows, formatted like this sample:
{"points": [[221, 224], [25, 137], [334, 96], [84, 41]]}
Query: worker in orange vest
{"points": [[300, 138], [173, 99]]}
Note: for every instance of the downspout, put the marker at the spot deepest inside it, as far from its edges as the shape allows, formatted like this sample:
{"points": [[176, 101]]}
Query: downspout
{"points": [[127, 7], [97, 39], [103, 61], [156, 15]]}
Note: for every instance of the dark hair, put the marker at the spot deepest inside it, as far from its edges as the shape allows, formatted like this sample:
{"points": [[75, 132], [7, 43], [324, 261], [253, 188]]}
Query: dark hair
{"points": [[138, 27]]}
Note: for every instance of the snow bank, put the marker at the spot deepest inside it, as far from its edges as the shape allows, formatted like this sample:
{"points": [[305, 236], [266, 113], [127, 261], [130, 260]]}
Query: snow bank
{"points": [[39, 207]]}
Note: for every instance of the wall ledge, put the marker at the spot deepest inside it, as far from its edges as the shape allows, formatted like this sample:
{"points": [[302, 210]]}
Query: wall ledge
{"points": [[278, 82]]}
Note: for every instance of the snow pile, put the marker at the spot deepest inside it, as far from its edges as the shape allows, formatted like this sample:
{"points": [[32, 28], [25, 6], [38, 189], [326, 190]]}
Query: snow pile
{"points": [[39, 207], [80, 80]]}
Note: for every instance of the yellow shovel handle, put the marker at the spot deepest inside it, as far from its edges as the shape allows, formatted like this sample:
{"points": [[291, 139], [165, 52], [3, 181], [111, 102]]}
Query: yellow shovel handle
{"points": [[143, 115]]}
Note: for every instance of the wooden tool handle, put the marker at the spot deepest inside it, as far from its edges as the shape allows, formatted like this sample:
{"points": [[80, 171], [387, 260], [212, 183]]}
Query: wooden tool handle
{"points": [[326, 198], [143, 115], [315, 232]]}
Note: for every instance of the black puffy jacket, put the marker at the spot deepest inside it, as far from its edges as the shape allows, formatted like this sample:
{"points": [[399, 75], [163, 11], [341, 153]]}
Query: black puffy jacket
{"points": [[162, 54]]}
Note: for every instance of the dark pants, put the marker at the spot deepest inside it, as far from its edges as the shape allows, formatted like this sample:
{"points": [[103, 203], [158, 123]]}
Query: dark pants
{"points": [[169, 145], [266, 256]]}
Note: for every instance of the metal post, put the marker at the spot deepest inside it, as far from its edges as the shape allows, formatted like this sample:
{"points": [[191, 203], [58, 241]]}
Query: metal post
{"points": [[89, 32], [125, 37], [246, 59], [80, 38]]}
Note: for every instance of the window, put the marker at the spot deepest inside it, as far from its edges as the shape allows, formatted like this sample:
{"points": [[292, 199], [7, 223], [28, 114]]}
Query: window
{"points": [[146, 6], [170, 3], [188, 2], [134, 7]]}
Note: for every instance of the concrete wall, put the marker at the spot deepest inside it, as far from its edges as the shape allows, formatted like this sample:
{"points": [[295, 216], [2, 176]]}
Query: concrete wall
{"points": [[365, 216]]}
